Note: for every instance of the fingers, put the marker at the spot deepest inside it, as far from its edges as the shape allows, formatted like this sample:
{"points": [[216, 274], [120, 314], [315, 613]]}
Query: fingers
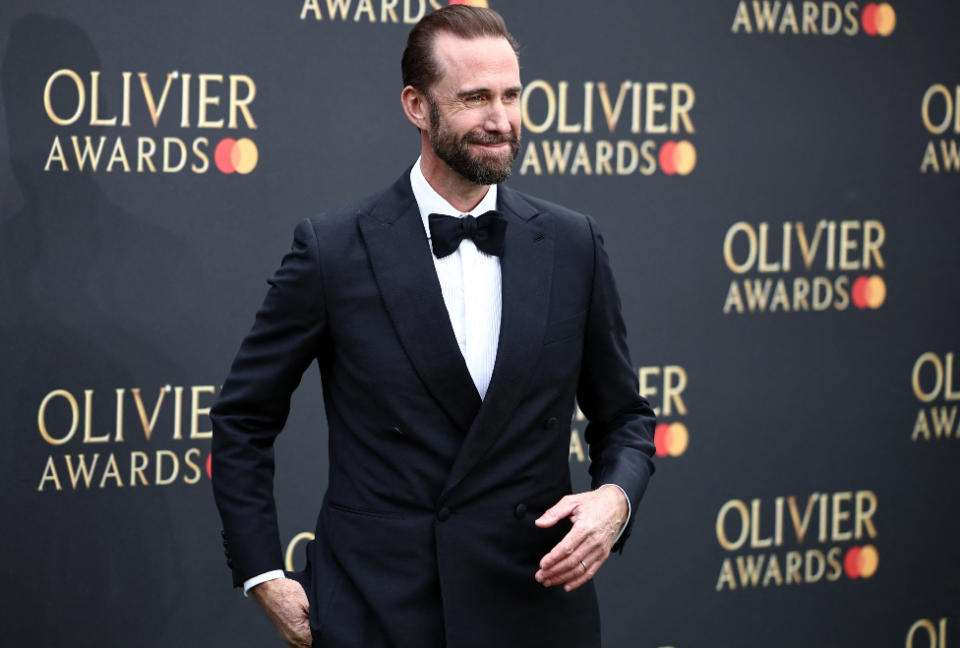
{"points": [[581, 577], [564, 549], [572, 567], [285, 602], [564, 508], [577, 574]]}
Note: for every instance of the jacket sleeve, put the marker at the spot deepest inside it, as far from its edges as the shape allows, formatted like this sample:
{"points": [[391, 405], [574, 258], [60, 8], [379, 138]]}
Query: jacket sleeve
{"points": [[254, 403], [621, 422]]}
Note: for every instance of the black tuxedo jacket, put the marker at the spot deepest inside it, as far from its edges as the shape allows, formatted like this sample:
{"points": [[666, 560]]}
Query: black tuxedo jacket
{"points": [[425, 536]]}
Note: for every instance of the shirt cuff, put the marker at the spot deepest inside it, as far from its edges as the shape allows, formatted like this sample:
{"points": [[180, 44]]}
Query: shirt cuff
{"points": [[262, 578], [623, 526]]}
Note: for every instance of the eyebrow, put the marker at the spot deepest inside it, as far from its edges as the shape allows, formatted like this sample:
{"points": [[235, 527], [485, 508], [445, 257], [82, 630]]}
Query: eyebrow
{"points": [[484, 91]]}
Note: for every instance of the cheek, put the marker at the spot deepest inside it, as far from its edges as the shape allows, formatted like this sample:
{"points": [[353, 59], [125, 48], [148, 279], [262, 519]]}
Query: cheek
{"points": [[513, 114]]}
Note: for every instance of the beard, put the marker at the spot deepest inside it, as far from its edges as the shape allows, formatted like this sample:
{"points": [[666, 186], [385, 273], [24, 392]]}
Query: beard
{"points": [[481, 170]]}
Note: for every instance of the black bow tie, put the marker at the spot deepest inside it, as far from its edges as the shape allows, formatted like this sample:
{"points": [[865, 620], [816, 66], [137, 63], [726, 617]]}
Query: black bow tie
{"points": [[486, 232]]}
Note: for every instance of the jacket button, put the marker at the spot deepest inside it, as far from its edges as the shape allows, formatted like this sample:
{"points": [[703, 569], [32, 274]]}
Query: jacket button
{"points": [[550, 423], [443, 514], [396, 430], [520, 511]]}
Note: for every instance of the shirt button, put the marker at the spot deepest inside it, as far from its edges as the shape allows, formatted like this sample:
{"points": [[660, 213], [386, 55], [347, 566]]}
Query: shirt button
{"points": [[520, 511], [396, 430], [443, 514], [550, 423]]}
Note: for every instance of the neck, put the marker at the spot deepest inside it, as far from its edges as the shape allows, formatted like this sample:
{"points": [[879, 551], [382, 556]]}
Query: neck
{"points": [[453, 187]]}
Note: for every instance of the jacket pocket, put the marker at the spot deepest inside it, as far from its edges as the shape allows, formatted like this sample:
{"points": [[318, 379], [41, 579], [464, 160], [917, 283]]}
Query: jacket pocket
{"points": [[355, 510]]}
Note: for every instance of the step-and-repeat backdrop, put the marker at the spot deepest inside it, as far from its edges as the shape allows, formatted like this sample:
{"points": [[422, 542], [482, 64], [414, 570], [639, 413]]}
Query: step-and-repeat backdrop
{"points": [[778, 182]]}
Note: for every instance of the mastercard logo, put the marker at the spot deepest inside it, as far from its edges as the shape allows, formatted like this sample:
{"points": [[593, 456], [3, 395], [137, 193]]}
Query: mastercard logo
{"points": [[677, 157], [471, 3], [868, 292], [861, 562], [878, 19], [238, 156], [671, 439]]}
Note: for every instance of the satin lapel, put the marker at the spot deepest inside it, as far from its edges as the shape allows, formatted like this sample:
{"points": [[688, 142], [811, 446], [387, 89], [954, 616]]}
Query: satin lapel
{"points": [[402, 263], [527, 269]]}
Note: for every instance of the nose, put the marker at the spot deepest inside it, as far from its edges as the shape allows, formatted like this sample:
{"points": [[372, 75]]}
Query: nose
{"points": [[498, 119]]}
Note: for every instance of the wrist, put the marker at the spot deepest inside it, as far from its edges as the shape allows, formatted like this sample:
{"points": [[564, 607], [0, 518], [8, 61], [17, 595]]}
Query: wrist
{"points": [[263, 590], [619, 498]]}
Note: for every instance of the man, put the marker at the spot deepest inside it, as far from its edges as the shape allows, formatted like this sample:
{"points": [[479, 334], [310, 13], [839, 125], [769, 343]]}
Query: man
{"points": [[451, 348]]}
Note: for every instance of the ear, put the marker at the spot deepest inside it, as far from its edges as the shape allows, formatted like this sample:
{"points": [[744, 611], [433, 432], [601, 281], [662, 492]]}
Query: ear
{"points": [[415, 107]]}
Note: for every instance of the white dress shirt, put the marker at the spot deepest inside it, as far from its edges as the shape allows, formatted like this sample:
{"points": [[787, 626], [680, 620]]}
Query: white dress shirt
{"points": [[470, 281]]}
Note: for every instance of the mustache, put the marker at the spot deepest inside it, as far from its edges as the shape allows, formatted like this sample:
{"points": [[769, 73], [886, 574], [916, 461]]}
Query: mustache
{"points": [[491, 138]]}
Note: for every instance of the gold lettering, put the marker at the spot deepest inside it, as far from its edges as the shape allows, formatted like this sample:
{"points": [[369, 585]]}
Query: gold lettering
{"points": [[42, 414], [155, 109], [194, 467], [562, 125], [241, 104], [111, 472], [206, 100], [196, 411], [722, 538], [49, 474], [146, 423], [654, 107], [138, 464], [159, 478], [81, 97]]}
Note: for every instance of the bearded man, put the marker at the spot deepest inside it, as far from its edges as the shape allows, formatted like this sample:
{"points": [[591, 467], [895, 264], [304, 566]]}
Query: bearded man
{"points": [[454, 322]]}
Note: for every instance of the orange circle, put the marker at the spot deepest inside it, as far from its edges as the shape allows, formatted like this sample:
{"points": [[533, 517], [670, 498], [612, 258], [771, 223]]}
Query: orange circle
{"points": [[667, 159], [886, 19], [876, 292], [245, 156], [684, 157], [677, 439], [869, 19], [210, 466], [867, 561]]}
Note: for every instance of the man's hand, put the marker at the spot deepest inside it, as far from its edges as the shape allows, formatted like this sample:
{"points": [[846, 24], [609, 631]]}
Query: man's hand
{"points": [[597, 517], [285, 603]]}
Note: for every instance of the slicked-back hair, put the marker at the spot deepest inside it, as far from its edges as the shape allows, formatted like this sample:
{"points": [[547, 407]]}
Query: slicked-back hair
{"points": [[420, 67]]}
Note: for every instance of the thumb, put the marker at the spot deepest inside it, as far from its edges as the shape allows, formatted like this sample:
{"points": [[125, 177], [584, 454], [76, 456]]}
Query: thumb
{"points": [[557, 512]]}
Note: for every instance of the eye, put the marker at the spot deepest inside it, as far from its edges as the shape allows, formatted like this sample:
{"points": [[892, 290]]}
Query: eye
{"points": [[475, 98]]}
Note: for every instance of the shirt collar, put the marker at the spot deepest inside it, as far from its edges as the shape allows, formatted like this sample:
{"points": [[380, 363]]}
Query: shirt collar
{"points": [[430, 202]]}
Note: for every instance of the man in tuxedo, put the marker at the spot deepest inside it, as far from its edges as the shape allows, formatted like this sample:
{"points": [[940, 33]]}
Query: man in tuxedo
{"points": [[454, 321]]}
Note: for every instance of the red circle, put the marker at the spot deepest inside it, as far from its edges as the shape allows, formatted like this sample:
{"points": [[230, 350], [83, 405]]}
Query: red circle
{"points": [[858, 292], [223, 155], [869, 19], [660, 439], [851, 563], [667, 163], [210, 466]]}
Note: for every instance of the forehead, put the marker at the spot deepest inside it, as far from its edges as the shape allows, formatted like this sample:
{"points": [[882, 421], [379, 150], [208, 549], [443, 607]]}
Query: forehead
{"points": [[476, 62]]}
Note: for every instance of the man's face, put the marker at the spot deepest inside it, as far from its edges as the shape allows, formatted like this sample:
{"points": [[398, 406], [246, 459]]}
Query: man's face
{"points": [[475, 107]]}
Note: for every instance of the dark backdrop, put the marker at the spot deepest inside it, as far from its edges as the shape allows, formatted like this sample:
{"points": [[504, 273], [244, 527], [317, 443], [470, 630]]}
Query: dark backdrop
{"points": [[807, 493]]}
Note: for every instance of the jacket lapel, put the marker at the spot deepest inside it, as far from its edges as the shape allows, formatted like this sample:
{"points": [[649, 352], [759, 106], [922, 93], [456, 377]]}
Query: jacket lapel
{"points": [[403, 265], [526, 269]]}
